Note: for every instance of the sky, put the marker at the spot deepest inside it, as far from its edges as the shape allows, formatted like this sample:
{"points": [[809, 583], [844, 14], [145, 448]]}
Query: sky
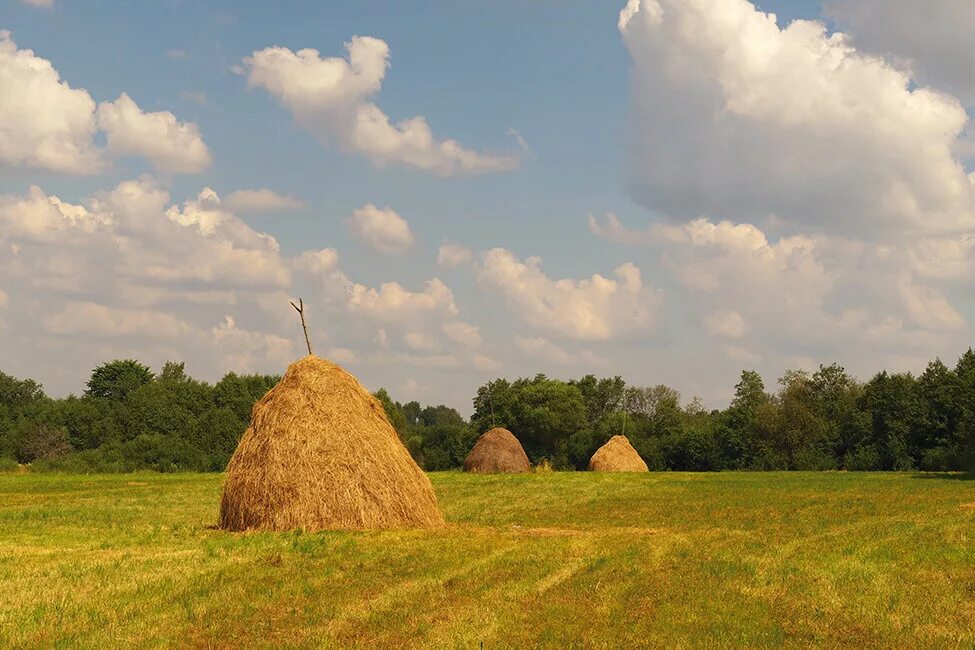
{"points": [[667, 190]]}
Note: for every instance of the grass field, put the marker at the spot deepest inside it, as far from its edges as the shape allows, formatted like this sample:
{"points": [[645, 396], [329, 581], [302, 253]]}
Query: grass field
{"points": [[537, 560]]}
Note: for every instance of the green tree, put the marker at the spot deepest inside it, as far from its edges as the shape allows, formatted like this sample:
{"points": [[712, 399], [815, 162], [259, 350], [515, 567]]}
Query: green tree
{"points": [[602, 397], [115, 380]]}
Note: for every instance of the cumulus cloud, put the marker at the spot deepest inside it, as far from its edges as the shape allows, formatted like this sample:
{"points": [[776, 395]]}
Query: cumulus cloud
{"points": [[542, 349], [935, 42], [170, 145], [342, 356], [462, 333], [737, 117], [726, 324], [331, 98], [392, 303], [450, 256], [832, 295], [46, 124], [381, 229], [137, 275], [263, 200], [597, 308]]}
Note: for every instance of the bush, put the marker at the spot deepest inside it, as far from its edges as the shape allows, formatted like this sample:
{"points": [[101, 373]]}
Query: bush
{"points": [[8, 465], [45, 442], [941, 459], [863, 459], [107, 460], [811, 459]]}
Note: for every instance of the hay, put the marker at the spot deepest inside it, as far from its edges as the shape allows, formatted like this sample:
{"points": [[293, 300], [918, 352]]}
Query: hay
{"points": [[617, 455], [320, 454], [497, 451]]}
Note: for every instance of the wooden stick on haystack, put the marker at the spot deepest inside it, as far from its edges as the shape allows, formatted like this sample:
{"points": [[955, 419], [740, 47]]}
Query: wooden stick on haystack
{"points": [[300, 308]]}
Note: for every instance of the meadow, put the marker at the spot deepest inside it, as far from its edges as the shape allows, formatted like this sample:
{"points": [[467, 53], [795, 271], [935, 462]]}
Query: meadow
{"points": [[549, 559]]}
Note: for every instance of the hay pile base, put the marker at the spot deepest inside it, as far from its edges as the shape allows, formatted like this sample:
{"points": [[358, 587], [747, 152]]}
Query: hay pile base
{"points": [[320, 454], [497, 451], [617, 455]]}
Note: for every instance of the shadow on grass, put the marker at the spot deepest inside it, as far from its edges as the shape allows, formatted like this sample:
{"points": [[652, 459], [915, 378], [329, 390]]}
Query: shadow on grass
{"points": [[947, 476]]}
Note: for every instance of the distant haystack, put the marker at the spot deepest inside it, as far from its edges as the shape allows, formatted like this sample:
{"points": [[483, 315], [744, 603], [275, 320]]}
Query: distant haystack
{"points": [[617, 455], [497, 451], [320, 454]]}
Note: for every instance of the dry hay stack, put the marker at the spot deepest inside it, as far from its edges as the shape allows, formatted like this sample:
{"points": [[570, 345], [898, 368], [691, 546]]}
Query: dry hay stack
{"points": [[497, 451], [320, 454], [617, 455]]}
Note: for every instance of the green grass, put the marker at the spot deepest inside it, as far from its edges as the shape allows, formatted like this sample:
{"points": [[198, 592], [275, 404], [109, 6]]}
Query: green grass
{"points": [[539, 560]]}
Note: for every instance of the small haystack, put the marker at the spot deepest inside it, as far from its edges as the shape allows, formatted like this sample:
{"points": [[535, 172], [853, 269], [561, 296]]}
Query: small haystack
{"points": [[617, 455], [320, 454], [497, 451]]}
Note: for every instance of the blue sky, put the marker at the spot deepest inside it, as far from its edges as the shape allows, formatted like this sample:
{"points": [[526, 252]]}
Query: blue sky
{"points": [[589, 102]]}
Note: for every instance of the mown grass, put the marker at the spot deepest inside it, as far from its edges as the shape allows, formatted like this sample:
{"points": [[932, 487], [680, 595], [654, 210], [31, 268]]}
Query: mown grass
{"points": [[540, 560]]}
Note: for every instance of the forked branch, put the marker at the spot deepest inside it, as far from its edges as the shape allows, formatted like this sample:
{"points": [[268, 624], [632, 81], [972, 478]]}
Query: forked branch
{"points": [[300, 308]]}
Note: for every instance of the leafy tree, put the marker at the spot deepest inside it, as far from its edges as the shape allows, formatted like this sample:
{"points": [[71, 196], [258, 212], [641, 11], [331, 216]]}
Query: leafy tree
{"points": [[394, 412], [115, 380], [239, 392], [602, 397], [543, 413]]}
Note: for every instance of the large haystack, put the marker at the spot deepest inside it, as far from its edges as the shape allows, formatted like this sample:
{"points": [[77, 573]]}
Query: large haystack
{"points": [[497, 451], [617, 455], [320, 454]]}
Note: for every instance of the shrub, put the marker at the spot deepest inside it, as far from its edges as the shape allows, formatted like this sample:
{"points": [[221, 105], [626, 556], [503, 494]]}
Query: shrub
{"points": [[45, 442], [863, 459]]}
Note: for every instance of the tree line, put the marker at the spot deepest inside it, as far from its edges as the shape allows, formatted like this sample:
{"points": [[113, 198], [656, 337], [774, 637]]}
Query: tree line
{"points": [[130, 418]]}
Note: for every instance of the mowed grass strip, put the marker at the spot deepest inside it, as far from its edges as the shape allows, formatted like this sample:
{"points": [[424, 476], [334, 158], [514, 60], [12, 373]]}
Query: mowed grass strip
{"points": [[532, 560]]}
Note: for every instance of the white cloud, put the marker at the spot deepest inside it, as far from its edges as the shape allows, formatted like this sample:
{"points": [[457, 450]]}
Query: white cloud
{"points": [[250, 351], [317, 262], [928, 308], [597, 308], [342, 356], [46, 124], [935, 40], [736, 118], [176, 54], [450, 256], [462, 333], [822, 292], [543, 349], [944, 259], [171, 145], [610, 227], [486, 364], [420, 342], [330, 97], [393, 303], [381, 229], [44, 4], [136, 275], [726, 324], [92, 318], [263, 200]]}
